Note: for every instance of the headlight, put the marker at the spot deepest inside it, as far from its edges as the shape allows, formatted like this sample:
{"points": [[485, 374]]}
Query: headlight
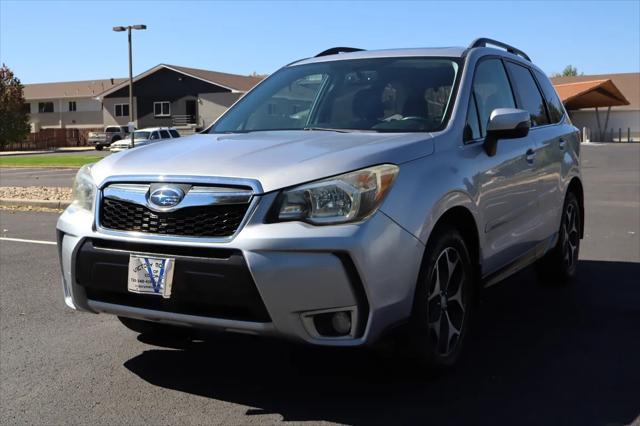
{"points": [[84, 190], [345, 198]]}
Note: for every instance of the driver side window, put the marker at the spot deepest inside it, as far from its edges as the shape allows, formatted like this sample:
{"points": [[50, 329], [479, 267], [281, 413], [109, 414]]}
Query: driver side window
{"points": [[491, 90]]}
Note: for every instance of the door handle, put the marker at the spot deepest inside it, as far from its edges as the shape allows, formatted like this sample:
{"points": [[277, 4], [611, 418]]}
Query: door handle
{"points": [[530, 156], [562, 143]]}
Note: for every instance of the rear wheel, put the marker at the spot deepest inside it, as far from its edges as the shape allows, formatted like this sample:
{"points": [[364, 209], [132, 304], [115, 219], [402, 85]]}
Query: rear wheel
{"points": [[560, 264], [99, 147], [443, 300]]}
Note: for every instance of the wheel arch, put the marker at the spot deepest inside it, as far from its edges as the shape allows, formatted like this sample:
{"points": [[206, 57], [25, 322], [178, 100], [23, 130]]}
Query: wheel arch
{"points": [[461, 218]]}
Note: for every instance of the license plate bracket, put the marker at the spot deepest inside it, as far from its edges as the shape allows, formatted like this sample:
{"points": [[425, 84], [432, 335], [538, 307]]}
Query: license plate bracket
{"points": [[150, 275]]}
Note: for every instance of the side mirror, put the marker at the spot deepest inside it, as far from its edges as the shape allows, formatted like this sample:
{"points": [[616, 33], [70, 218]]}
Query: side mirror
{"points": [[506, 123]]}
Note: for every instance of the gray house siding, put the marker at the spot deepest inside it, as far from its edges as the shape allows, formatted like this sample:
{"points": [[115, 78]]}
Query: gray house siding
{"points": [[213, 105], [165, 85]]}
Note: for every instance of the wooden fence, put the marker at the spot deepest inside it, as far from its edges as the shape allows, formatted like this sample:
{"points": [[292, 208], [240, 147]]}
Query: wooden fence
{"points": [[47, 139]]}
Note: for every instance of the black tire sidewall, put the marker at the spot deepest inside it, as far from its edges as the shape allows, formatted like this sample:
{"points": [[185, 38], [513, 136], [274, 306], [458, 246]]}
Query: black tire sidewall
{"points": [[566, 272], [423, 345], [552, 268]]}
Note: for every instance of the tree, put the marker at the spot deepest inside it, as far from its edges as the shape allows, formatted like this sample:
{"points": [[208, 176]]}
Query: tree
{"points": [[569, 71], [14, 120], [255, 74]]}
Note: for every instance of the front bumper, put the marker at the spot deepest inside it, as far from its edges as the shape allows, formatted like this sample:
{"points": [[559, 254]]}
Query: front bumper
{"points": [[370, 268]]}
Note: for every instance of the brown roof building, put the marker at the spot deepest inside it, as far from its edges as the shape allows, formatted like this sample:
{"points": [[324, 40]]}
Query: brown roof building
{"points": [[606, 105], [67, 104], [165, 95], [69, 89], [171, 95]]}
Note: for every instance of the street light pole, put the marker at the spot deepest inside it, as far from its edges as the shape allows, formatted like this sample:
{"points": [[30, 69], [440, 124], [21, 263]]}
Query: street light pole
{"points": [[128, 29], [130, 87]]}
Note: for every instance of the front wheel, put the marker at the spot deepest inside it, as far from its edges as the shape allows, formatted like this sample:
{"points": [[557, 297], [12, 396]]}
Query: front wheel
{"points": [[443, 301]]}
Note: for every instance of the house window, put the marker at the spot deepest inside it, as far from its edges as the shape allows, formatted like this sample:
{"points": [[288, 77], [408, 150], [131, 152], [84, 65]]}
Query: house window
{"points": [[122, 110], [72, 106], [45, 106], [162, 109], [26, 107]]}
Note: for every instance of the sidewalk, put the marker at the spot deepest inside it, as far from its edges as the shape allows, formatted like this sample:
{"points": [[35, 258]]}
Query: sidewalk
{"points": [[52, 151]]}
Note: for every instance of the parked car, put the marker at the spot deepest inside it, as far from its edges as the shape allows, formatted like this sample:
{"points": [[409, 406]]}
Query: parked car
{"points": [[144, 137], [110, 135], [346, 196]]}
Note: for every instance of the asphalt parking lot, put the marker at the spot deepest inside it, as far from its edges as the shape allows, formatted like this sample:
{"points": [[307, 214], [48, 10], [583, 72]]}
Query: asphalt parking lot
{"points": [[538, 354]]}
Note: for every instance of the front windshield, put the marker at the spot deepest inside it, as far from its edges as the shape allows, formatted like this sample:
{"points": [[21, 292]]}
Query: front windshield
{"points": [[383, 94], [141, 135]]}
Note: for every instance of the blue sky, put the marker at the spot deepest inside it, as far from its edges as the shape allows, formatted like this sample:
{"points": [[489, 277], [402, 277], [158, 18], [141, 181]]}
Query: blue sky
{"points": [[61, 41]]}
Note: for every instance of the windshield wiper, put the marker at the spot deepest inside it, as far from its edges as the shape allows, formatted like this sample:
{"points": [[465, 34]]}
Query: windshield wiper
{"points": [[328, 129]]}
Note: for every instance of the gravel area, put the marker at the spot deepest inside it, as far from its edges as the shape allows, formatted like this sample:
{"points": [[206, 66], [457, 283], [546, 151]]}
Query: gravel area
{"points": [[35, 193], [12, 209]]}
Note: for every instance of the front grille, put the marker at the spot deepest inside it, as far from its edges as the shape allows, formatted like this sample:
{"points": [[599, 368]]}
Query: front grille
{"points": [[201, 221]]}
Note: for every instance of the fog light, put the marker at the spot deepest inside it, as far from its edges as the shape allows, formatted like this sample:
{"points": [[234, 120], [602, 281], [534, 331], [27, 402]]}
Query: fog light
{"points": [[341, 322], [330, 324]]}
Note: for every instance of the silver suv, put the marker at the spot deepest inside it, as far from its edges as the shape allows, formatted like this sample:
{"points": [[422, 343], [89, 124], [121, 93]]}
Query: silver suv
{"points": [[344, 196]]}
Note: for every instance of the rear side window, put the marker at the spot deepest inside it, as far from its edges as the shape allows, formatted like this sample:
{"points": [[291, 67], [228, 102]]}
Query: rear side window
{"points": [[174, 133], [491, 90], [164, 134], [554, 105], [529, 97]]}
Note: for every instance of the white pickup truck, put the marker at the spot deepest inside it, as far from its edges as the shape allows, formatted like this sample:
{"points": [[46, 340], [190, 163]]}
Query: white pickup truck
{"points": [[110, 135]]}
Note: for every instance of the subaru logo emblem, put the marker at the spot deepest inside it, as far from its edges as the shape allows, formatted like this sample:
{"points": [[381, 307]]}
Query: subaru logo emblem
{"points": [[166, 197]]}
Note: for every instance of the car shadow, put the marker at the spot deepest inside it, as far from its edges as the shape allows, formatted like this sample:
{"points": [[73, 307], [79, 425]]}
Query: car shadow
{"points": [[538, 354]]}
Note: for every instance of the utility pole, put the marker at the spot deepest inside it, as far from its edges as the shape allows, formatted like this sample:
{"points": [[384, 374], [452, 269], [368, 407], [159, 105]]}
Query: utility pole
{"points": [[128, 29]]}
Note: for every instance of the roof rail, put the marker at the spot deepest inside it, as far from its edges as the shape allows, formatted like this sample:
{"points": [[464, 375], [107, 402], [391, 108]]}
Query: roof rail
{"points": [[483, 42], [336, 50]]}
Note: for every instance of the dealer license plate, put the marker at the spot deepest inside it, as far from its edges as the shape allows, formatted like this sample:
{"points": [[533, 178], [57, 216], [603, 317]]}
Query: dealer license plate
{"points": [[150, 275]]}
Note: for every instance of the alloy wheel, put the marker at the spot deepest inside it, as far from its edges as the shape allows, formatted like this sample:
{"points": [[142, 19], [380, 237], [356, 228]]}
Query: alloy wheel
{"points": [[570, 236], [447, 304]]}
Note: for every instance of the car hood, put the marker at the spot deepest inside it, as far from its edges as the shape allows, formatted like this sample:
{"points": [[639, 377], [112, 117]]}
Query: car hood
{"points": [[275, 159]]}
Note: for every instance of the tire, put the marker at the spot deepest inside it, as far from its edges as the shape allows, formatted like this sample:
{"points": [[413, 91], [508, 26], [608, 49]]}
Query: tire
{"points": [[440, 309], [99, 147], [153, 328], [115, 139], [560, 264]]}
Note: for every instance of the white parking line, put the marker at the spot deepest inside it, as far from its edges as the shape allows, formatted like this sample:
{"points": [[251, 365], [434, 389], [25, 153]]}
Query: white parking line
{"points": [[20, 240]]}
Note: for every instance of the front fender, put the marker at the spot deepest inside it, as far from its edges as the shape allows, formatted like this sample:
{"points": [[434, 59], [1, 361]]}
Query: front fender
{"points": [[424, 191]]}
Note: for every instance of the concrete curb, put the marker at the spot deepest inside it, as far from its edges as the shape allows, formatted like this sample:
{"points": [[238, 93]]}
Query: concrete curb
{"points": [[48, 151], [18, 202], [26, 166]]}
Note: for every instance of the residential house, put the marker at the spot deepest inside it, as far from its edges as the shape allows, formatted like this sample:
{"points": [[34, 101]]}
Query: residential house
{"points": [[171, 95], [70, 104]]}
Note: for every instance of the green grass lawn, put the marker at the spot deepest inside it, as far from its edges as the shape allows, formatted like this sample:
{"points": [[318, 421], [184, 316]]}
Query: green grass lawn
{"points": [[55, 160]]}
